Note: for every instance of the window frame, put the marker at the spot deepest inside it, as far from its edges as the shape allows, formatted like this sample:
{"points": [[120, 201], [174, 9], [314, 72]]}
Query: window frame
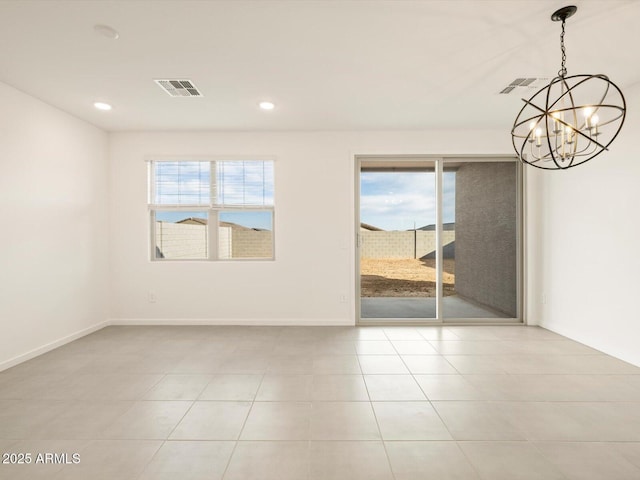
{"points": [[212, 209]]}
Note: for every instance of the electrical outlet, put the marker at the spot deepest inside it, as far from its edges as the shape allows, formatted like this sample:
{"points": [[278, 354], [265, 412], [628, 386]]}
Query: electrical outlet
{"points": [[342, 298], [152, 297], [544, 299]]}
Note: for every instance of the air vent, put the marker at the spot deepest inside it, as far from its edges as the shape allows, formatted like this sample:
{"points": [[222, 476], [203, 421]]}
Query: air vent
{"points": [[523, 84], [179, 88]]}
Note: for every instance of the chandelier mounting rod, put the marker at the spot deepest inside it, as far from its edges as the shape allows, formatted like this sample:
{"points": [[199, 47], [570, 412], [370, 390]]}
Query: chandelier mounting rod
{"points": [[561, 15]]}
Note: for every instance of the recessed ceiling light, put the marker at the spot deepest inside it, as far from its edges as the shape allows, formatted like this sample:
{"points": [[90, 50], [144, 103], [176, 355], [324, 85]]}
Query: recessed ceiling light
{"points": [[107, 31], [102, 106], [267, 105]]}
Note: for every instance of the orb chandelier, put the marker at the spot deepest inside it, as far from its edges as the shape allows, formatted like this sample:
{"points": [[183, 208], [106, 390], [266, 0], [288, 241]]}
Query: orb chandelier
{"points": [[571, 120]]}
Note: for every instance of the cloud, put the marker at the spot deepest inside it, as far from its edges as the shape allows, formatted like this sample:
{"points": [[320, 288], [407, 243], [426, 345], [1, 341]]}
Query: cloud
{"points": [[400, 200]]}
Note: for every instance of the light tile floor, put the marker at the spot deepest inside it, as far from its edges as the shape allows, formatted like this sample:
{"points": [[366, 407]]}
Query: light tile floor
{"points": [[403, 403]]}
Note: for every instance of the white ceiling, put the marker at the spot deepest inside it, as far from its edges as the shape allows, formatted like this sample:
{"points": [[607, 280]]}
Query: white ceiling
{"points": [[328, 65]]}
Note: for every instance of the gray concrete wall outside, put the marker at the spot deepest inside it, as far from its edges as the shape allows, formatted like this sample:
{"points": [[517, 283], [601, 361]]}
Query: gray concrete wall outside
{"points": [[486, 234]]}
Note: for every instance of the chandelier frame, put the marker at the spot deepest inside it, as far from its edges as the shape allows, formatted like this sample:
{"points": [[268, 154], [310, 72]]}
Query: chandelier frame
{"points": [[553, 118]]}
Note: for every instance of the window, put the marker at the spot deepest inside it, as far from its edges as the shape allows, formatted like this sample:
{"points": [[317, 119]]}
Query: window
{"points": [[211, 210]]}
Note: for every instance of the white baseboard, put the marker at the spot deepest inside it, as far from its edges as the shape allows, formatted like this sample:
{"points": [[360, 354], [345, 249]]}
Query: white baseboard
{"points": [[631, 357], [235, 321], [52, 345]]}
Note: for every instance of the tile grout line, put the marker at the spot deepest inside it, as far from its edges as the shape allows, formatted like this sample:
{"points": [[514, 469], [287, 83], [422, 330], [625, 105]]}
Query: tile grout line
{"points": [[557, 358], [422, 390], [193, 402], [162, 444], [541, 453], [420, 387], [244, 423], [473, 466], [375, 416]]}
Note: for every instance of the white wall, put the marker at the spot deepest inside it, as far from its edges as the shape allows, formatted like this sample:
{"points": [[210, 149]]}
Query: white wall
{"points": [[53, 219], [590, 246], [314, 226], [55, 277]]}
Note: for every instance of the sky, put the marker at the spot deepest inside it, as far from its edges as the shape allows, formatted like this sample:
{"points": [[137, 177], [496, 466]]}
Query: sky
{"points": [[260, 220], [389, 200], [404, 200]]}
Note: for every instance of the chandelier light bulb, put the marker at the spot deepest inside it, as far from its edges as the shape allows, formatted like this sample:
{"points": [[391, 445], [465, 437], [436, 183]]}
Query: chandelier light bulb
{"points": [[532, 131], [569, 131], [594, 124], [556, 123], [587, 111]]}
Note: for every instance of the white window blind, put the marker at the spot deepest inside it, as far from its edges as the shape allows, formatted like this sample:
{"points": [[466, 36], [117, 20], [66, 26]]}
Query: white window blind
{"points": [[182, 183], [244, 183]]}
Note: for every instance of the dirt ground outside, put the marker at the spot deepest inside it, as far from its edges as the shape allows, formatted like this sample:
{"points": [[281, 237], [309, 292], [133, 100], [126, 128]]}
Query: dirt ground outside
{"points": [[404, 277]]}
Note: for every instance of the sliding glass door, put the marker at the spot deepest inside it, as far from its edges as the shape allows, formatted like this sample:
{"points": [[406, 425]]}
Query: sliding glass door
{"points": [[438, 239], [398, 277]]}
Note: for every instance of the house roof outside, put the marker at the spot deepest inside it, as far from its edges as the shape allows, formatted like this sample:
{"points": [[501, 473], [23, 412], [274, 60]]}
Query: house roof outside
{"points": [[371, 228], [204, 221], [193, 221]]}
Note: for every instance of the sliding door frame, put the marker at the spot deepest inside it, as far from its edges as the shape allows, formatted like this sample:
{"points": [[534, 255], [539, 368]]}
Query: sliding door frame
{"points": [[440, 161]]}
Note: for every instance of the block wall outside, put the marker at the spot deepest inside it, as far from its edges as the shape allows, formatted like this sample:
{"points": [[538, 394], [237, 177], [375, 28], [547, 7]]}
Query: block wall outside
{"points": [[179, 240], [252, 244], [225, 249], [401, 244], [387, 245]]}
